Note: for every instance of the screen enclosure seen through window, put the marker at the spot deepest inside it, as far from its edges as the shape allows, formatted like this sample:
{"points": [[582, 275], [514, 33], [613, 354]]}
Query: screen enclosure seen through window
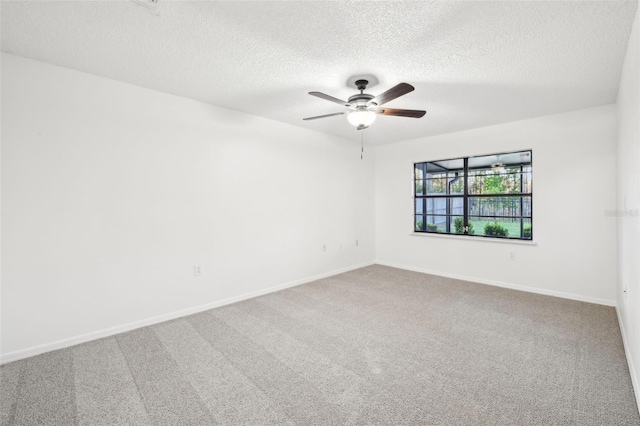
{"points": [[482, 196]]}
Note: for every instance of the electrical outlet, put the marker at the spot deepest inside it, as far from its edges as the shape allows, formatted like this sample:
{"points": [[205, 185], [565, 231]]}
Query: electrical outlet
{"points": [[340, 247], [324, 247], [197, 271], [512, 255], [357, 243]]}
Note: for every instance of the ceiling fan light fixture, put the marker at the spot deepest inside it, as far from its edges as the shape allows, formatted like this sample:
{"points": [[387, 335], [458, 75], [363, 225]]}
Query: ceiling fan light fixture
{"points": [[361, 118], [497, 167]]}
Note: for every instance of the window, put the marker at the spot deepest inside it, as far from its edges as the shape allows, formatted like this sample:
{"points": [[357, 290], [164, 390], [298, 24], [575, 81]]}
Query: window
{"points": [[484, 196]]}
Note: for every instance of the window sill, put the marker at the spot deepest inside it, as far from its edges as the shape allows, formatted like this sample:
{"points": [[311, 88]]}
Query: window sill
{"points": [[470, 238]]}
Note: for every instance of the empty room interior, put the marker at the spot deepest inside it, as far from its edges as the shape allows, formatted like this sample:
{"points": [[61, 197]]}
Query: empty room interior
{"points": [[320, 213]]}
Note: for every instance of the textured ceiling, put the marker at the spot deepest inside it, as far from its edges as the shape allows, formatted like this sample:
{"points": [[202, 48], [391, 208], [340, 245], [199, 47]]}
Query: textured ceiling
{"points": [[473, 64]]}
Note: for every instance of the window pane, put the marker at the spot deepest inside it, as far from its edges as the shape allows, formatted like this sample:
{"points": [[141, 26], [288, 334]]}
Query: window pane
{"points": [[437, 205], [456, 205], [440, 177], [456, 185], [526, 180], [437, 185], [526, 207], [501, 228], [487, 181], [444, 206], [527, 231], [500, 207], [457, 225], [509, 159], [444, 165], [438, 224], [431, 223], [497, 228]]}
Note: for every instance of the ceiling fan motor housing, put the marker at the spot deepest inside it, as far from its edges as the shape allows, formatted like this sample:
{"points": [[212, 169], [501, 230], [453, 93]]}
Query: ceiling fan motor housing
{"points": [[360, 100]]}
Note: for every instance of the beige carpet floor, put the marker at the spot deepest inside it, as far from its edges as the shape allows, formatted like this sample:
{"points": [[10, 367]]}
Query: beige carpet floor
{"points": [[373, 346]]}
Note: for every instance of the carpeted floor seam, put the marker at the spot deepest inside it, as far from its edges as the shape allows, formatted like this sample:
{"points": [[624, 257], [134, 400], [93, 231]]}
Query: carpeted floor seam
{"points": [[132, 376]]}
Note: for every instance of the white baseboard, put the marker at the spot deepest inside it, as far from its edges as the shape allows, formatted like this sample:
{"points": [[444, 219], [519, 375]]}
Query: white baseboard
{"points": [[65, 343], [563, 295], [627, 352]]}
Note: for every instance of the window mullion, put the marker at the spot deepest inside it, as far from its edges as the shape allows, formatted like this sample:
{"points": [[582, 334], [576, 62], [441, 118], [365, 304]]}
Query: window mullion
{"points": [[465, 196], [521, 202]]}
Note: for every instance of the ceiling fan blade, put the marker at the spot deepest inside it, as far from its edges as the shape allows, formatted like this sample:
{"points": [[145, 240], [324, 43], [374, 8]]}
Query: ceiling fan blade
{"points": [[414, 113], [324, 116], [330, 98], [391, 94]]}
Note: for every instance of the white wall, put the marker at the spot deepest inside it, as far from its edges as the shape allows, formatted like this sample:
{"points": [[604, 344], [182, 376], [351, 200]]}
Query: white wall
{"points": [[629, 204], [112, 193], [573, 183]]}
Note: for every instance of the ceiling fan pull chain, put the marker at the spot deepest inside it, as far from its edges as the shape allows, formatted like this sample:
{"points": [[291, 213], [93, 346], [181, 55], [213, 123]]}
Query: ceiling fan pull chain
{"points": [[361, 146]]}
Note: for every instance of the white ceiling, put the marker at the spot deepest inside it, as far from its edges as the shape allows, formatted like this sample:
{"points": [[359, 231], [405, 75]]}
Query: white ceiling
{"points": [[473, 64]]}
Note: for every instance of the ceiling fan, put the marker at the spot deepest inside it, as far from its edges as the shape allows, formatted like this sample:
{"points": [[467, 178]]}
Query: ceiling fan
{"points": [[363, 107]]}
